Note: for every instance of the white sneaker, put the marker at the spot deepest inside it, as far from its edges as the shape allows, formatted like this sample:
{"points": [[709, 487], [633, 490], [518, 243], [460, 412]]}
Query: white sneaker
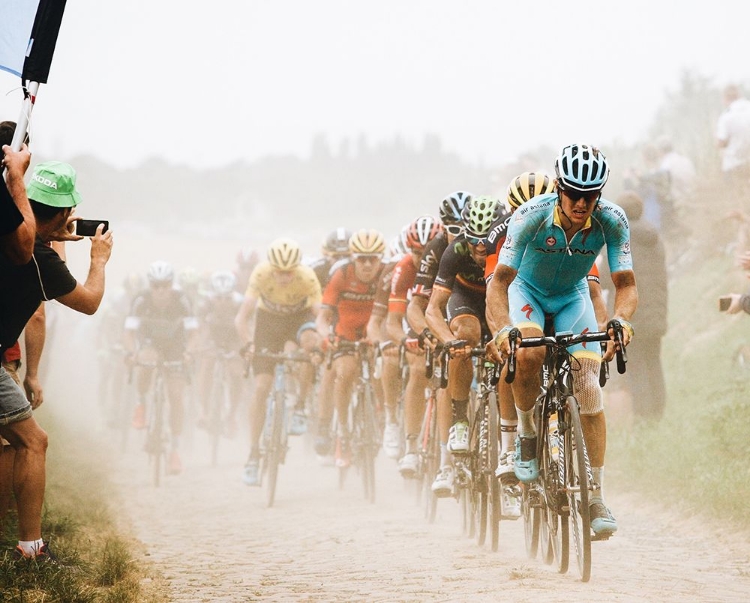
{"points": [[392, 440], [458, 437], [408, 466], [442, 487], [506, 468]]}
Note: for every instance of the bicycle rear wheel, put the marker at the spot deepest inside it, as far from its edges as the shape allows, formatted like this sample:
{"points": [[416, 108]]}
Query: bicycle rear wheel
{"points": [[368, 443], [218, 399], [155, 437], [577, 488], [430, 458], [532, 519], [479, 464]]}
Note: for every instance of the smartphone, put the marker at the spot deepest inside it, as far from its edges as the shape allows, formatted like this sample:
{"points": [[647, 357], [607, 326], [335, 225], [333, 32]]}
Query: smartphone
{"points": [[87, 228], [724, 303]]}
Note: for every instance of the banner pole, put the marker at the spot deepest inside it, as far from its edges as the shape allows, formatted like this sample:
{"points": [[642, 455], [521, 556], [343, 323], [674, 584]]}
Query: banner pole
{"points": [[27, 107]]}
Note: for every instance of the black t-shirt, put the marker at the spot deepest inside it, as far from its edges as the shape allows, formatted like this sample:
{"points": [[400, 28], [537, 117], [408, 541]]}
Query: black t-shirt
{"points": [[23, 288], [10, 216]]}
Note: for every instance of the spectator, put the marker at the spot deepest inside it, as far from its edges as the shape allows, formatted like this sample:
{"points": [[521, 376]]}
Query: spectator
{"points": [[652, 184], [644, 380], [680, 169], [52, 196], [733, 137]]}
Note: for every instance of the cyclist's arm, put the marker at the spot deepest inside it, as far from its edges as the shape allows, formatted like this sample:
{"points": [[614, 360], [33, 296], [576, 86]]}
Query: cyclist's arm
{"points": [[244, 315], [597, 300], [394, 326], [415, 312], [435, 314], [323, 321], [498, 308], [626, 297], [375, 331]]}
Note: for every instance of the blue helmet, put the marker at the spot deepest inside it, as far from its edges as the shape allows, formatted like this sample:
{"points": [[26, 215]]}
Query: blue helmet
{"points": [[581, 167], [452, 206]]}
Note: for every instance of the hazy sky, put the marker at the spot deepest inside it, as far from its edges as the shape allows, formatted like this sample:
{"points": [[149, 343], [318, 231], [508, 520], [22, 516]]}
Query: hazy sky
{"points": [[208, 83]]}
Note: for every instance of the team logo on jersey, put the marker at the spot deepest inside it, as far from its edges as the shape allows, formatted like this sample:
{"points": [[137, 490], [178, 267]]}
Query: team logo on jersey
{"points": [[626, 247], [550, 241], [527, 309]]}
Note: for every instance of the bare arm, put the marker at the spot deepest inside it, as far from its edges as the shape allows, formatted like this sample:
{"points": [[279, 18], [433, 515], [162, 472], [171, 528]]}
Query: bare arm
{"points": [[626, 296], [435, 315], [19, 244], [323, 322], [597, 300], [498, 307], [34, 336], [242, 320], [415, 313], [87, 297], [393, 325]]}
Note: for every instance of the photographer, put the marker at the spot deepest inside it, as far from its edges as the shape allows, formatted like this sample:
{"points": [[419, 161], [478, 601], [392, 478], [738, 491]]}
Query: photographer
{"points": [[52, 196]]}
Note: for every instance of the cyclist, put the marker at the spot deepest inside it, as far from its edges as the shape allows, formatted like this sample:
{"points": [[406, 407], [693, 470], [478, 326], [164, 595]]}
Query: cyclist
{"points": [[551, 245], [450, 210], [216, 314], [335, 249], [161, 326], [247, 260], [456, 312], [347, 305], [189, 282], [283, 298], [418, 235]]}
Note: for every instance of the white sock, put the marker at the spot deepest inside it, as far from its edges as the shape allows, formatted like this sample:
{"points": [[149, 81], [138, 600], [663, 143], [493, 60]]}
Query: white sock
{"points": [[445, 457], [526, 422], [508, 429], [598, 474], [31, 547]]}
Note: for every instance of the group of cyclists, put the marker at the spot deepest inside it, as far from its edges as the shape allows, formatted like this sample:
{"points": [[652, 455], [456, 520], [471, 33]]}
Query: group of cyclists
{"points": [[480, 271]]}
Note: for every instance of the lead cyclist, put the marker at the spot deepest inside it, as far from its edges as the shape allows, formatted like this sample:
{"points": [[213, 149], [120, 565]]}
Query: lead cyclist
{"points": [[550, 247]]}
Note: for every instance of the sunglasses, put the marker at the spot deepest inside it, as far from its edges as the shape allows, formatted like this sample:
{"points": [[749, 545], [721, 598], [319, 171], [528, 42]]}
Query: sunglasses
{"points": [[575, 196], [367, 258], [474, 240], [454, 229]]}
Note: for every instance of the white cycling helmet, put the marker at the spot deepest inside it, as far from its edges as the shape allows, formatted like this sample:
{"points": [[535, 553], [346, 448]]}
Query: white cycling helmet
{"points": [[160, 272], [223, 282]]}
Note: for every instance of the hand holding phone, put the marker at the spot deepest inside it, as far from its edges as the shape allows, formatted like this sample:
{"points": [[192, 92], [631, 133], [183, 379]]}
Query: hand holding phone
{"points": [[87, 228]]}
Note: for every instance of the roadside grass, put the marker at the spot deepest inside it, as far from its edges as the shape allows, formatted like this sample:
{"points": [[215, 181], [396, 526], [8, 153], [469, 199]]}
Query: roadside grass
{"points": [[695, 457], [98, 562]]}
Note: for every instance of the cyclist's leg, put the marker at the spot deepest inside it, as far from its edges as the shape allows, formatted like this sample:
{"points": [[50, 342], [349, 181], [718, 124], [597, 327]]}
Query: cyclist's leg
{"points": [[205, 372], [325, 411], [345, 367], [309, 340], [144, 383], [414, 406], [391, 389], [578, 315]]}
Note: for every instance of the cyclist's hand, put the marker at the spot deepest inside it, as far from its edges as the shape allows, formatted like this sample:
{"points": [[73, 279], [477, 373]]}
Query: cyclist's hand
{"points": [[412, 345], [388, 348], [609, 351], [330, 343], [427, 339], [458, 347], [627, 331], [317, 357], [494, 353], [246, 351]]}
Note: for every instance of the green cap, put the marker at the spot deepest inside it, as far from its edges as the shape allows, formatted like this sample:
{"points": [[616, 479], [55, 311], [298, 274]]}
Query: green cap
{"points": [[53, 183]]}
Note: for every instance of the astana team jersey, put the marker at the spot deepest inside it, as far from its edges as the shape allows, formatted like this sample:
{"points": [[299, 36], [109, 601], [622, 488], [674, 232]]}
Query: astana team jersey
{"points": [[536, 247]]}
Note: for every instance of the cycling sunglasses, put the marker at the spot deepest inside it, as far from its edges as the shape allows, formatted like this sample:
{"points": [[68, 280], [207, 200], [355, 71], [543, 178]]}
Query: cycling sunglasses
{"points": [[575, 196], [454, 229], [474, 240], [367, 258]]}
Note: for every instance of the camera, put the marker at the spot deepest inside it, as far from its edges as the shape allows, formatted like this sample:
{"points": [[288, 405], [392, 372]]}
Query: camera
{"points": [[87, 228], [724, 303]]}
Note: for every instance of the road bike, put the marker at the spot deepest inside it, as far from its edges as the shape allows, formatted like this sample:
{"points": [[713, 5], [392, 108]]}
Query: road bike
{"points": [[220, 401], [558, 502], [364, 432]]}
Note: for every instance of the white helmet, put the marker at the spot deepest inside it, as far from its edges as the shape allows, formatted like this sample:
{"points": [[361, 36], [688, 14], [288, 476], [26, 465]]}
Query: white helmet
{"points": [[160, 272], [223, 282]]}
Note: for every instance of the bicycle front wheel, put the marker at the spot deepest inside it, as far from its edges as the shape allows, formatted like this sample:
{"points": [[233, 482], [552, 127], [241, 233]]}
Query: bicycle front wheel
{"points": [[275, 443], [555, 516], [577, 488], [369, 444]]}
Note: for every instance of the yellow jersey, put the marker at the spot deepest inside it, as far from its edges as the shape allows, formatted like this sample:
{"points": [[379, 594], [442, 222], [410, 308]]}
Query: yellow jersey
{"points": [[300, 293]]}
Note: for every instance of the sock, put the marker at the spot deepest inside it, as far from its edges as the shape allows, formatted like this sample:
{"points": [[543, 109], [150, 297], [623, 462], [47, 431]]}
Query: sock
{"points": [[30, 548], [411, 443], [508, 429], [445, 456], [526, 423], [598, 495], [459, 410]]}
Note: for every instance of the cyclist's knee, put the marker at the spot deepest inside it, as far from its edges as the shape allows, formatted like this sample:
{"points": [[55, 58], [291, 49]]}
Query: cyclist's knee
{"points": [[586, 386]]}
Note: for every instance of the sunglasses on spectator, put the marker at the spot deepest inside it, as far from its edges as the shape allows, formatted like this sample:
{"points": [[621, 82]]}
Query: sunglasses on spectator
{"points": [[588, 197], [367, 258], [474, 240], [454, 229]]}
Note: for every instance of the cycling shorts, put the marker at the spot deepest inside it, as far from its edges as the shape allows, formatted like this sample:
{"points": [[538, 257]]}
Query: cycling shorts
{"points": [[467, 303], [272, 331], [572, 311]]}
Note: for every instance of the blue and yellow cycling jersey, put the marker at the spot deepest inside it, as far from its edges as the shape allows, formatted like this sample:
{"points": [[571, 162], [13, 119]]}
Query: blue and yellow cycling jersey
{"points": [[536, 246]]}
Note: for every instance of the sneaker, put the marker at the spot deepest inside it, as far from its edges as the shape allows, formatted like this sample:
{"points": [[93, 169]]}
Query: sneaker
{"points": [[526, 465], [250, 475], [343, 453], [602, 521], [323, 445], [43, 555], [408, 466], [298, 424], [458, 437], [392, 440], [139, 416], [506, 468], [442, 486], [175, 464]]}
